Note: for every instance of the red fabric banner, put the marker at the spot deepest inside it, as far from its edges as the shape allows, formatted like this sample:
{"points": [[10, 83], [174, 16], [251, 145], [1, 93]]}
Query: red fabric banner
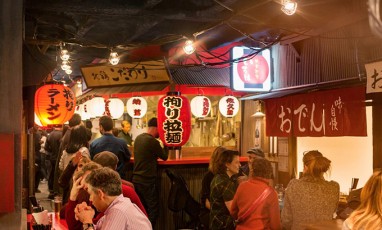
{"points": [[333, 113]]}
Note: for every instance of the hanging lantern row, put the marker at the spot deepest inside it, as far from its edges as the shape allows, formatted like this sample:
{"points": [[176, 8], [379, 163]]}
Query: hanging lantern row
{"points": [[54, 104], [113, 107]]}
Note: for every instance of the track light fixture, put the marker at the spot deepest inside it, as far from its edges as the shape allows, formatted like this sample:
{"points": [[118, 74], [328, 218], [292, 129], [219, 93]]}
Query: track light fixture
{"points": [[189, 47], [113, 58], [289, 6]]}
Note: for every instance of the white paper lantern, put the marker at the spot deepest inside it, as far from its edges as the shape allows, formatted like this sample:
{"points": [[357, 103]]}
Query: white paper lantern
{"points": [[116, 108], [229, 106], [200, 106], [136, 107], [84, 111], [96, 107]]}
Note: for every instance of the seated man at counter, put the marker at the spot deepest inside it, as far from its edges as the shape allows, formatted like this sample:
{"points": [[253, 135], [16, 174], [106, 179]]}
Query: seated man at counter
{"points": [[146, 152], [252, 154], [105, 190]]}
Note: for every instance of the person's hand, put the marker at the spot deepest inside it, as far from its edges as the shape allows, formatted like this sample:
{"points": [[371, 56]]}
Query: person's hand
{"points": [[84, 213], [77, 185], [76, 158]]}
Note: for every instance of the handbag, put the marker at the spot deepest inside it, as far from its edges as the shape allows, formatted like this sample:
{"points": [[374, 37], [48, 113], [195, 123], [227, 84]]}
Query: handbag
{"points": [[254, 205]]}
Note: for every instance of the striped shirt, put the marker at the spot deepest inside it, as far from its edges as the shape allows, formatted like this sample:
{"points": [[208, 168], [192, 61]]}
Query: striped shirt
{"points": [[123, 215]]}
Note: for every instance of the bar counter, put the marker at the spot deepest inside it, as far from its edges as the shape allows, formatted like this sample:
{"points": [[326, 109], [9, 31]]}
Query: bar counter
{"points": [[192, 167]]}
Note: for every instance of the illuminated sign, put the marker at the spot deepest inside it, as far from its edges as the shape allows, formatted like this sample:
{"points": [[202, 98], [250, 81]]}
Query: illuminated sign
{"points": [[251, 69]]}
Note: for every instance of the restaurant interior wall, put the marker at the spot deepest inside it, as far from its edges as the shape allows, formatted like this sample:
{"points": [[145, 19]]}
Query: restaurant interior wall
{"points": [[352, 157]]}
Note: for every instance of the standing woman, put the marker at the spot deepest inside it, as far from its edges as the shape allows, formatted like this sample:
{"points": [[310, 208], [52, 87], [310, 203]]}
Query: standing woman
{"points": [[368, 216], [311, 198], [255, 204], [223, 189]]}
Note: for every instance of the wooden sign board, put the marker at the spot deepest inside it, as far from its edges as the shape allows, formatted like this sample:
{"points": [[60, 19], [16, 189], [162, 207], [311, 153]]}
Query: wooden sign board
{"points": [[126, 73]]}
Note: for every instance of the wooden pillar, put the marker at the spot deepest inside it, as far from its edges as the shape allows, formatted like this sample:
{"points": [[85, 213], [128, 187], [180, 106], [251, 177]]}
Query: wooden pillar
{"points": [[11, 30], [377, 131]]}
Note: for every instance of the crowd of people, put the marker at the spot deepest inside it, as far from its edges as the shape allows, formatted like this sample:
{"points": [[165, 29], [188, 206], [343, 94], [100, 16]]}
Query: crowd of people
{"points": [[91, 177], [90, 174]]}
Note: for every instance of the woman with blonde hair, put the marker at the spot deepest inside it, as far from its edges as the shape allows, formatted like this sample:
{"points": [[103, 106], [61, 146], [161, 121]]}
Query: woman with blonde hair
{"points": [[311, 198], [368, 216]]}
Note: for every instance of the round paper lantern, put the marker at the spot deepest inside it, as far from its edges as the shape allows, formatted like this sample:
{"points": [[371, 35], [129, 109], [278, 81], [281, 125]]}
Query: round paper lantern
{"points": [[136, 107], [96, 107], [114, 108], [200, 106], [229, 106], [174, 119], [54, 104]]}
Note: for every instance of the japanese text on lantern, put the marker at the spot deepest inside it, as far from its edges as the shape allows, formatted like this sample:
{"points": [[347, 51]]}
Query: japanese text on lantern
{"points": [[172, 125], [53, 109], [137, 112], [230, 106], [206, 106]]}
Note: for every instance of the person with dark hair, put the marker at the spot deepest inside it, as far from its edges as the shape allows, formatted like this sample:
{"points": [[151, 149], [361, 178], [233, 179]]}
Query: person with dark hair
{"points": [[105, 190], [78, 142], [89, 126], [310, 198], [147, 150], [255, 204], [52, 148], [368, 215], [73, 121], [108, 142], [223, 188], [124, 133]]}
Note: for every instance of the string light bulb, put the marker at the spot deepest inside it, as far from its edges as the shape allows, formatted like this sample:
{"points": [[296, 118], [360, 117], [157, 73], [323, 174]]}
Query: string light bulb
{"points": [[68, 70], [64, 55], [289, 7], [65, 65], [189, 47], [114, 58]]}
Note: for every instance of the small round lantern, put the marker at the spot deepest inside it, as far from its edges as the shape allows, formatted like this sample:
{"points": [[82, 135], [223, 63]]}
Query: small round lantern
{"points": [[96, 107], [174, 119], [200, 106], [114, 108], [54, 104], [136, 107], [229, 106]]}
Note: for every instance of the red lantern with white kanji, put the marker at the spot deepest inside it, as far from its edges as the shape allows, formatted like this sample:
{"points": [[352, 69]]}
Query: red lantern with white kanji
{"points": [[174, 119], [229, 106], [54, 104], [136, 107], [200, 106]]}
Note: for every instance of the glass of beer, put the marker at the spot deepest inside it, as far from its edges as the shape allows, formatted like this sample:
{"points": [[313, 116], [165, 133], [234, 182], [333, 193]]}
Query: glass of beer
{"points": [[57, 204]]}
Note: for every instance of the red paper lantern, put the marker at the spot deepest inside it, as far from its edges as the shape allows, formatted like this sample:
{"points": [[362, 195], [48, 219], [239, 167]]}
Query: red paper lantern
{"points": [[174, 119], [54, 104]]}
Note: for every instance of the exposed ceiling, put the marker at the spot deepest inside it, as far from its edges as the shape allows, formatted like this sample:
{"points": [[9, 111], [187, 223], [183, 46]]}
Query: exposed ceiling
{"points": [[148, 29]]}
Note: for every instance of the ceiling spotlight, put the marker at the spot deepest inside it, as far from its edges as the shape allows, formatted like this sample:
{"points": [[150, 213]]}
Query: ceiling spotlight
{"points": [[64, 55], [289, 7], [189, 47], [113, 59]]}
